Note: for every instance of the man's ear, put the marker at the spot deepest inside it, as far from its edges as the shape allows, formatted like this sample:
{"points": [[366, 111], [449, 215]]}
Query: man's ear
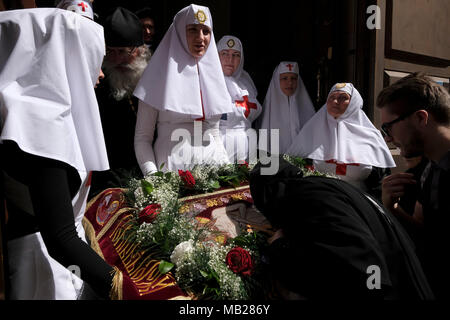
{"points": [[423, 117]]}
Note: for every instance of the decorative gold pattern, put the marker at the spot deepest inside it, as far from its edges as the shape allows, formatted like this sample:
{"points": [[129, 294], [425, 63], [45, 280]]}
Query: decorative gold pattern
{"points": [[109, 205], [144, 275], [340, 85], [230, 43], [201, 17]]}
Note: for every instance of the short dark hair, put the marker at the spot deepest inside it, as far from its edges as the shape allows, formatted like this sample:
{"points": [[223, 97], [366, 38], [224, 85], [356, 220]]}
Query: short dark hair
{"points": [[417, 91], [146, 12]]}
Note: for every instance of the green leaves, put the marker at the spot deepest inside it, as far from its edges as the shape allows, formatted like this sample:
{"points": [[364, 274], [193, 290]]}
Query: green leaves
{"points": [[215, 184], [212, 282], [165, 266], [147, 187]]}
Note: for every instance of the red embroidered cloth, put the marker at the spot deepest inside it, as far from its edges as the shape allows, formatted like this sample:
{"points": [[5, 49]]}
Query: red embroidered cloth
{"points": [[105, 222]]}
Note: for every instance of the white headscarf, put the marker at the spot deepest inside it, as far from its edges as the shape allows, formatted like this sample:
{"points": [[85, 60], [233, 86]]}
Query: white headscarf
{"points": [[288, 114], [351, 138], [47, 99], [173, 78], [240, 83], [83, 8]]}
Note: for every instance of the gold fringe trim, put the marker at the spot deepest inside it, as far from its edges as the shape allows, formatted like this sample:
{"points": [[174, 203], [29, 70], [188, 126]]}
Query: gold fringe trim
{"points": [[205, 195], [116, 292], [90, 234]]}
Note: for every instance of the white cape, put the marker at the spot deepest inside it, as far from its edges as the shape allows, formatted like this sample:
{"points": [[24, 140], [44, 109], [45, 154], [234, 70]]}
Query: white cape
{"points": [[50, 60], [351, 138], [288, 114], [176, 81]]}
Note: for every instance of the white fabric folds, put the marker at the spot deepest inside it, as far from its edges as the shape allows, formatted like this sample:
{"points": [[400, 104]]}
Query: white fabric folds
{"points": [[49, 63], [243, 92], [288, 114], [351, 138], [240, 83], [176, 81], [50, 60]]}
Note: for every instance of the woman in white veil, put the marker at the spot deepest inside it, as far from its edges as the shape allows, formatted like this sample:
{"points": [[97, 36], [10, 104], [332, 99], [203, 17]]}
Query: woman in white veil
{"points": [[182, 95], [342, 141]]}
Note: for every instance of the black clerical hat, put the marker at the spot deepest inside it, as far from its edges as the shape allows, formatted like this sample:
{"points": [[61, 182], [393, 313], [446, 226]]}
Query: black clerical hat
{"points": [[123, 29]]}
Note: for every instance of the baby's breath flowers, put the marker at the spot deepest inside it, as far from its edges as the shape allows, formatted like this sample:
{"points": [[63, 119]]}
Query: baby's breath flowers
{"points": [[203, 267]]}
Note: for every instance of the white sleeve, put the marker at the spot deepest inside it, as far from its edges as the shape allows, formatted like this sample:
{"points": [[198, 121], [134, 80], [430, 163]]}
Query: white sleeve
{"points": [[143, 138], [254, 114]]}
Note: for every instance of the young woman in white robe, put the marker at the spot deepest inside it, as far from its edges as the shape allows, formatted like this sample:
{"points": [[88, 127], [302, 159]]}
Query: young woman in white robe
{"points": [[287, 106], [234, 126], [342, 141], [182, 96]]}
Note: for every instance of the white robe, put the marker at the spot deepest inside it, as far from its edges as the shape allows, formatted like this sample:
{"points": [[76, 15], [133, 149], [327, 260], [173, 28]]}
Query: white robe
{"points": [[50, 60], [234, 126], [351, 141], [176, 89], [286, 114], [199, 142]]}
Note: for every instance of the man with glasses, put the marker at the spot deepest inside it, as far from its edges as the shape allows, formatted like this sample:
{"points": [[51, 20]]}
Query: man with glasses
{"points": [[416, 118], [125, 61]]}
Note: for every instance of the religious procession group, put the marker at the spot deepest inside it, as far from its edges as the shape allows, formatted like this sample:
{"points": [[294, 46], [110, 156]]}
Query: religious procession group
{"points": [[159, 112]]}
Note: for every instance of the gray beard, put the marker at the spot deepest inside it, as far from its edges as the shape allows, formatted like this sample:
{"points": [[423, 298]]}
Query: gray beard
{"points": [[122, 83]]}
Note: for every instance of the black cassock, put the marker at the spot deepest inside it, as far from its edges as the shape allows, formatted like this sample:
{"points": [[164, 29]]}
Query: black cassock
{"points": [[334, 236]]}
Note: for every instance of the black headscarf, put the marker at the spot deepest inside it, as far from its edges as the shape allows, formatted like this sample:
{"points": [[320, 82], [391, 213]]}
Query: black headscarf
{"points": [[333, 234]]}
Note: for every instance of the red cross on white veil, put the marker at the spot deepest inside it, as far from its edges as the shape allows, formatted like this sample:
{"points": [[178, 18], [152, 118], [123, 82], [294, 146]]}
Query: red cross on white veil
{"points": [[341, 168], [83, 6], [247, 105], [290, 66]]}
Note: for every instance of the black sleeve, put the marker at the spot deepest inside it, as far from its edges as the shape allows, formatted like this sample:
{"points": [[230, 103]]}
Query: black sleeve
{"points": [[51, 188]]}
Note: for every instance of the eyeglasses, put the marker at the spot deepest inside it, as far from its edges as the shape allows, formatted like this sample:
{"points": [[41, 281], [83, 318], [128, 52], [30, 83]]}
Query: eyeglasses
{"points": [[120, 52], [386, 127]]}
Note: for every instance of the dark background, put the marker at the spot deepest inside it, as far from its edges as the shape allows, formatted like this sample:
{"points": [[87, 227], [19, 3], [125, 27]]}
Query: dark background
{"points": [[322, 36]]}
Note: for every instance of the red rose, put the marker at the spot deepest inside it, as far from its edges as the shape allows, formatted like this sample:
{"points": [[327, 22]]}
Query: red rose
{"points": [[245, 164], [187, 178], [240, 261], [150, 213]]}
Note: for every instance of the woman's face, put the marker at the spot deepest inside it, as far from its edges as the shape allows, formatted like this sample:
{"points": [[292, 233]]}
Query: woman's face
{"points": [[230, 60], [337, 103], [198, 38], [288, 83]]}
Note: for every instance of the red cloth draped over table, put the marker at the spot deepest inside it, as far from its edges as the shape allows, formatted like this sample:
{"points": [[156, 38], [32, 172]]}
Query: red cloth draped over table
{"points": [[106, 220]]}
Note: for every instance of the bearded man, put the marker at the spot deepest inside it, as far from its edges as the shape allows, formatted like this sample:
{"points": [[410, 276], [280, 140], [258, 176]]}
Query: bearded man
{"points": [[125, 61], [415, 112]]}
